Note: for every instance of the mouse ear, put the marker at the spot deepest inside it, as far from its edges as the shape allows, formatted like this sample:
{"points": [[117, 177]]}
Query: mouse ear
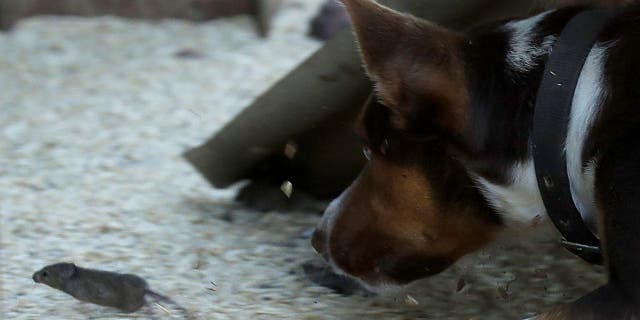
{"points": [[68, 271]]}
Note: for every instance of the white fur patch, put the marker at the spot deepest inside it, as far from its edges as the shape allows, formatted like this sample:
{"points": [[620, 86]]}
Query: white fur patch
{"points": [[520, 201], [585, 108], [522, 51]]}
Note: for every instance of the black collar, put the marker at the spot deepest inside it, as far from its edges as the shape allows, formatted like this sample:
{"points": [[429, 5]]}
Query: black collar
{"points": [[550, 122]]}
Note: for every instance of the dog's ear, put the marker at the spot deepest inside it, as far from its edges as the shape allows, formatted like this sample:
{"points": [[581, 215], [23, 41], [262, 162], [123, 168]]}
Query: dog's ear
{"points": [[416, 66]]}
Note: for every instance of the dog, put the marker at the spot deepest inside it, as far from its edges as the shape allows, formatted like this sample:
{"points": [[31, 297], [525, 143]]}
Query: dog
{"points": [[448, 142]]}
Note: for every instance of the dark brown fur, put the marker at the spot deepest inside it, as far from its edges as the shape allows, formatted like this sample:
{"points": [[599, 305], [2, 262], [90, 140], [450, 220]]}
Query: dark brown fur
{"points": [[449, 104]]}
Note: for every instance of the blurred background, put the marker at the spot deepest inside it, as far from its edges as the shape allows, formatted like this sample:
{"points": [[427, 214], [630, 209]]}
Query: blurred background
{"points": [[99, 99]]}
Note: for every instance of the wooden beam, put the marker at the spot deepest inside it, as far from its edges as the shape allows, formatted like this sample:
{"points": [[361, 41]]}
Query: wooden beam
{"points": [[322, 90]]}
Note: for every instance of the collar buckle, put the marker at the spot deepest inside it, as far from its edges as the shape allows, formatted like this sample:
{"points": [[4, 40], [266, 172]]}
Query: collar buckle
{"points": [[571, 246]]}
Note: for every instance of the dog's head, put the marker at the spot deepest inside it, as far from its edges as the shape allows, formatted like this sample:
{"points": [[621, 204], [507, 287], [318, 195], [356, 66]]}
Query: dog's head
{"points": [[413, 210]]}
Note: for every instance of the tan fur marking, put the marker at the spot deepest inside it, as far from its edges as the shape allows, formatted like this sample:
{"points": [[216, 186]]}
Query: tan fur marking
{"points": [[389, 213]]}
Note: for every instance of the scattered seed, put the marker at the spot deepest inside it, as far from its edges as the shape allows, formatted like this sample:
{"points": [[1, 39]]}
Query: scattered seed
{"points": [[213, 287], [163, 308], [410, 301], [290, 150], [287, 188]]}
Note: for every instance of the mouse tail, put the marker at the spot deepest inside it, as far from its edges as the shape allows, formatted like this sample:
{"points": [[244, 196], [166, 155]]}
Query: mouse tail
{"points": [[158, 298]]}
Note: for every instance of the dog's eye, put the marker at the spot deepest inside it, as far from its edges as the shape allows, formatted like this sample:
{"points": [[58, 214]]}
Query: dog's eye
{"points": [[367, 152], [384, 147], [45, 274]]}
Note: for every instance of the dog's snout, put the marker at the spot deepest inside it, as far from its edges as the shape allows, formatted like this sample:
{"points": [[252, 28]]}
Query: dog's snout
{"points": [[319, 241], [320, 238]]}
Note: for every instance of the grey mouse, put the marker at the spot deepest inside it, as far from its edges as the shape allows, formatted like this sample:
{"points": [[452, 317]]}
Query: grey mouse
{"points": [[126, 292]]}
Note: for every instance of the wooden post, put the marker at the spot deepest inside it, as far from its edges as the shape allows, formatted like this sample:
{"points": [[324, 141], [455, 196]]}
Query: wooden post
{"points": [[314, 104]]}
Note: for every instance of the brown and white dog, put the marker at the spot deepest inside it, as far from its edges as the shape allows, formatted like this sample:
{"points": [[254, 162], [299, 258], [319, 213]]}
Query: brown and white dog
{"points": [[450, 162]]}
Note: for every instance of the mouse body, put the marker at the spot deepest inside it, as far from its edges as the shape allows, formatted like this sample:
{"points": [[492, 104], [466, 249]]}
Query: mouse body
{"points": [[126, 292]]}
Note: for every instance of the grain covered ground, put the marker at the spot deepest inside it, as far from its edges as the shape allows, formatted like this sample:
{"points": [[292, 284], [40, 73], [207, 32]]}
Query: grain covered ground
{"points": [[94, 114]]}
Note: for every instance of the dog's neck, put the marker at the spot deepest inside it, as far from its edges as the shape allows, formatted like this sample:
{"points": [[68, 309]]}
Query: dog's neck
{"points": [[506, 65], [504, 84]]}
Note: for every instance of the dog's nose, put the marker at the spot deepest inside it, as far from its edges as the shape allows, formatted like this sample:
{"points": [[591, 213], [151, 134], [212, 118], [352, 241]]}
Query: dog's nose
{"points": [[319, 242]]}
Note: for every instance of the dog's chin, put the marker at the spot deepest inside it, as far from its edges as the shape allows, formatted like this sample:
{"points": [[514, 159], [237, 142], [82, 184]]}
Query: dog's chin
{"points": [[378, 283], [384, 288]]}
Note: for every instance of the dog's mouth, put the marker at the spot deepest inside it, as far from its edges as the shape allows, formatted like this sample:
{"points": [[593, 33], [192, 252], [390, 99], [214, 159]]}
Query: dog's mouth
{"points": [[375, 281], [321, 273], [385, 274]]}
